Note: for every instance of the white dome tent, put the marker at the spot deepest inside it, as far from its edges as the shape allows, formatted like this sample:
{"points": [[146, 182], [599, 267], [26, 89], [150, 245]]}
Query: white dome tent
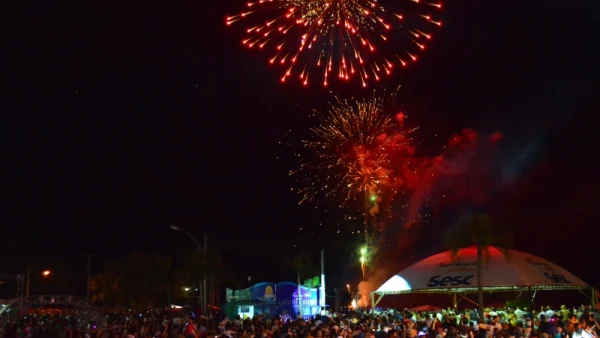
{"points": [[443, 274]]}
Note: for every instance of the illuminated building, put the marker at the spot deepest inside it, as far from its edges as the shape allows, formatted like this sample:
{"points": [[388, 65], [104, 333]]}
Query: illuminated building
{"points": [[273, 299]]}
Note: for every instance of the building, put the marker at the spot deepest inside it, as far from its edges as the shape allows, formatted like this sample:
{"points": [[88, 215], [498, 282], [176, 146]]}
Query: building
{"points": [[279, 299]]}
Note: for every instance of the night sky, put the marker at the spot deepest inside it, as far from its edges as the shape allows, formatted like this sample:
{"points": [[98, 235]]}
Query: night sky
{"points": [[120, 121]]}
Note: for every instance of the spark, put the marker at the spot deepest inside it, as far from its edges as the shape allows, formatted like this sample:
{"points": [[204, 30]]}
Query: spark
{"points": [[347, 34], [353, 145]]}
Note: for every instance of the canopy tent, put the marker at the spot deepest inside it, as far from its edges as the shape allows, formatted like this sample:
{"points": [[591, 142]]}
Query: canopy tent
{"points": [[443, 273], [425, 308]]}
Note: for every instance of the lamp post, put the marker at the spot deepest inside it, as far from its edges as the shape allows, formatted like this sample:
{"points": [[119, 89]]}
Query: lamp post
{"points": [[45, 273], [89, 275], [28, 280], [204, 298]]}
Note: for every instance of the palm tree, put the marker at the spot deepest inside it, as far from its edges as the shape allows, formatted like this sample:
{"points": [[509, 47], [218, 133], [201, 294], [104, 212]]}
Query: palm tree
{"points": [[483, 232], [138, 279], [213, 267], [301, 265], [218, 275]]}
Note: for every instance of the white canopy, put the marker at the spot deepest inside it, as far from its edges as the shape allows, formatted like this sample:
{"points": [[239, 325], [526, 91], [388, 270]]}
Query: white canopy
{"points": [[443, 274]]}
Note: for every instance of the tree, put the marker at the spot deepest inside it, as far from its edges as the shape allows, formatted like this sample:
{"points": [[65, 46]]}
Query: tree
{"points": [[483, 232], [139, 279], [301, 265], [196, 267]]}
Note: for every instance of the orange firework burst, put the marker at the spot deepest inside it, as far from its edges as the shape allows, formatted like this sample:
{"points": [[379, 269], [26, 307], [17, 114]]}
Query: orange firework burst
{"points": [[353, 147], [342, 38]]}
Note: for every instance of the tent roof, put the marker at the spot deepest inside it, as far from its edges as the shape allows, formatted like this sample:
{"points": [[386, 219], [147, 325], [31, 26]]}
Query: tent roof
{"points": [[441, 273]]}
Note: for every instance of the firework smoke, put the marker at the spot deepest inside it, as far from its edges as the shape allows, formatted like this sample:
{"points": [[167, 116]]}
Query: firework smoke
{"points": [[464, 173], [377, 276]]}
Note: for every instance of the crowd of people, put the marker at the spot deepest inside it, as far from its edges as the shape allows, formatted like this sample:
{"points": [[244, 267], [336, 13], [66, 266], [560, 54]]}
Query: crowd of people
{"points": [[501, 323], [579, 322]]}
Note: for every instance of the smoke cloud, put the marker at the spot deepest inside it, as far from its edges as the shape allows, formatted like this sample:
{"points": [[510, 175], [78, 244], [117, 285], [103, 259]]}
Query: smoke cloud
{"points": [[463, 173], [377, 276]]}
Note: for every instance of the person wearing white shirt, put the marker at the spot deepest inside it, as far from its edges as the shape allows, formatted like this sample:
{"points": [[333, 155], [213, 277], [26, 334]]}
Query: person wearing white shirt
{"points": [[549, 312], [579, 333], [519, 314]]}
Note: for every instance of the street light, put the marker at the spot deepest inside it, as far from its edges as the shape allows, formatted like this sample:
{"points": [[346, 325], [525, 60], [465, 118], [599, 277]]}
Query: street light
{"points": [[176, 228], [45, 273], [204, 297]]}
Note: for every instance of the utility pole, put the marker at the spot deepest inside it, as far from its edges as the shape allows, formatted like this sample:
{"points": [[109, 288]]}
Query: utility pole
{"points": [[28, 280], [205, 281], [322, 291], [299, 297], [202, 297], [89, 275], [169, 295], [20, 283], [337, 300]]}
